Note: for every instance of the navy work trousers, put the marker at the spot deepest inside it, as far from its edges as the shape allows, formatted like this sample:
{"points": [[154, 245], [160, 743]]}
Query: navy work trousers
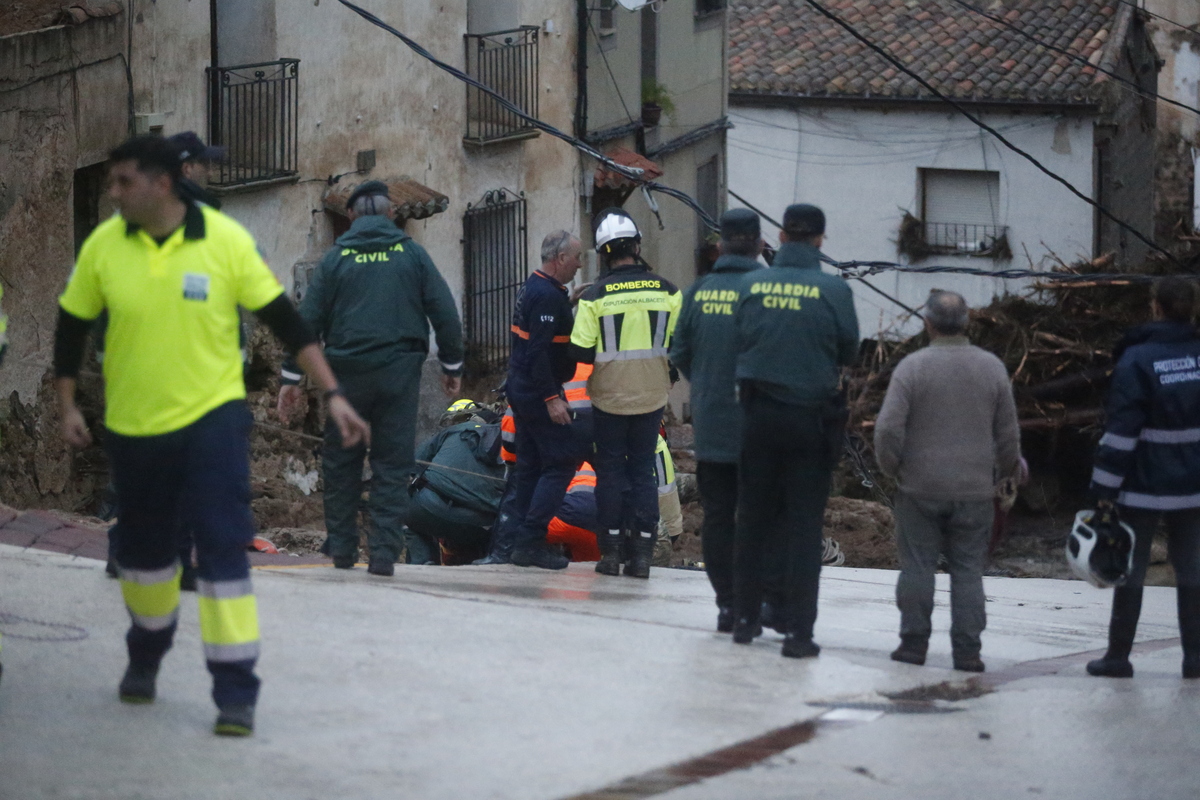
{"points": [[626, 486], [200, 473], [783, 485], [548, 455]]}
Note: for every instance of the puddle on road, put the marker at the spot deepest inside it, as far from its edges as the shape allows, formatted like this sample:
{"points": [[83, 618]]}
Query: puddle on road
{"points": [[950, 691]]}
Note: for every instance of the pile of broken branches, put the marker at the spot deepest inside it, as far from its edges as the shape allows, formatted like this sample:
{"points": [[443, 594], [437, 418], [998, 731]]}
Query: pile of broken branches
{"points": [[1056, 342]]}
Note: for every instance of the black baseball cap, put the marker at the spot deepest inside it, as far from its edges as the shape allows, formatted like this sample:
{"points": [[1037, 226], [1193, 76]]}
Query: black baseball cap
{"points": [[192, 148], [368, 188], [740, 223], [803, 220]]}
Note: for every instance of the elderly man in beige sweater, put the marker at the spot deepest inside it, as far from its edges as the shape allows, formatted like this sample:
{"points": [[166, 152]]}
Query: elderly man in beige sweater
{"points": [[947, 433]]}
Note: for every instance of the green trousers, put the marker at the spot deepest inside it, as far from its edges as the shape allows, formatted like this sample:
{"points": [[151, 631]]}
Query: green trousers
{"points": [[387, 399]]}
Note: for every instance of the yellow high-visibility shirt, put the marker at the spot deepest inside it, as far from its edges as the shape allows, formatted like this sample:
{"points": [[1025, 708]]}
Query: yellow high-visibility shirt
{"points": [[171, 350]]}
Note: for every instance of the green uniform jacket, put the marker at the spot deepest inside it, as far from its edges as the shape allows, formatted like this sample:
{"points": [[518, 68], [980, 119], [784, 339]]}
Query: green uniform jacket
{"points": [[475, 478], [795, 326], [705, 351], [370, 298]]}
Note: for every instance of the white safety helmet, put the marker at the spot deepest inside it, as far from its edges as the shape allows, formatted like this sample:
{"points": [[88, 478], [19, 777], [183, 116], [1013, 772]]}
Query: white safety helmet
{"points": [[614, 225], [1100, 548]]}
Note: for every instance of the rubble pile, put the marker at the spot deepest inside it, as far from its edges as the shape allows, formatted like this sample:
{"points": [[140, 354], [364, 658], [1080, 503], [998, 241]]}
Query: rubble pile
{"points": [[1056, 342]]}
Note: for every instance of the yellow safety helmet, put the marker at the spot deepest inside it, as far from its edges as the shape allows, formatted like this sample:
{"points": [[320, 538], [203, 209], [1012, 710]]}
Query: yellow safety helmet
{"points": [[460, 405]]}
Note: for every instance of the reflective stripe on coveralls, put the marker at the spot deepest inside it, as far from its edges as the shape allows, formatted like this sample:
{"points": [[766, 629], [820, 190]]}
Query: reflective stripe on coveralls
{"points": [[508, 437], [576, 388], [152, 596], [584, 480], [228, 620]]}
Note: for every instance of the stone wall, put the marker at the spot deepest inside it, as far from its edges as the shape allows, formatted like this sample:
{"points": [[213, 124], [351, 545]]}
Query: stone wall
{"points": [[63, 105]]}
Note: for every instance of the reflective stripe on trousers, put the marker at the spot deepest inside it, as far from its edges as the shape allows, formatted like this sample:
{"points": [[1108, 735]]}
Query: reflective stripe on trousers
{"points": [[228, 620], [152, 596]]}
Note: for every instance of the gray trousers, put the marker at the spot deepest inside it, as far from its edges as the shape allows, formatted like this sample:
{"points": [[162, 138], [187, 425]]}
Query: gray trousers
{"points": [[926, 529]]}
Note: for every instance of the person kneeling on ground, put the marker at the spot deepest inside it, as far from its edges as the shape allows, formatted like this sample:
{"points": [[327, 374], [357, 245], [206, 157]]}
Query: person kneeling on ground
{"points": [[456, 491], [947, 430]]}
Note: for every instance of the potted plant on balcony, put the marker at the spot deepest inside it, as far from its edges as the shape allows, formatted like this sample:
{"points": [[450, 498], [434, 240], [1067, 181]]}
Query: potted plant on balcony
{"points": [[655, 101]]}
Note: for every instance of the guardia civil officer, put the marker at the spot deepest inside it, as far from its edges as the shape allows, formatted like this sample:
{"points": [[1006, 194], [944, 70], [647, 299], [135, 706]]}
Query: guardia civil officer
{"points": [[171, 275], [796, 327], [548, 449], [705, 351], [624, 326], [372, 300], [1148, 464]]}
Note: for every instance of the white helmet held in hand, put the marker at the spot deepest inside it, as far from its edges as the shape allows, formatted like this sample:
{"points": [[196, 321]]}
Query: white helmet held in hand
{"points": [[612, 226], [1100, 548]]}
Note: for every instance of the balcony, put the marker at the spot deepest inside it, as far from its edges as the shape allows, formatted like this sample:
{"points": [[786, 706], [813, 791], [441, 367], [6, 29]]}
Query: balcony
{"points": [[919, 239], [252, 112], [507, 63]]}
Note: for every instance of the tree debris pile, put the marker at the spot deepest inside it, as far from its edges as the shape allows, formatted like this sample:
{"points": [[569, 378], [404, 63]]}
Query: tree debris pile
{"points": [[40, 471], [1057, 344]]}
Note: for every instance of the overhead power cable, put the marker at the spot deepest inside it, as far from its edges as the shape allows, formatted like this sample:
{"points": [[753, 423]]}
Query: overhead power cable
{"points": [[852, 269], [826, 259], [900, 65], [1147, 93], [632, 173]]}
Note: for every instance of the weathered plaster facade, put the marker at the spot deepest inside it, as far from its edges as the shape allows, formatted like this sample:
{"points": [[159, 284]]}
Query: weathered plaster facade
{"points": [[63, 105], [1178, 129], [359, 89]]}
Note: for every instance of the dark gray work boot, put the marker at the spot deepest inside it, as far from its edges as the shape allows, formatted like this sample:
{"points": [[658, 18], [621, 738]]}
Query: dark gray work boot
{"points": [[384, 566], [235, 721], [540, 556], [610, 553], [1122, 627], [912, 650], [643, 555], [138, 684], [724, 619], [795, 646]]}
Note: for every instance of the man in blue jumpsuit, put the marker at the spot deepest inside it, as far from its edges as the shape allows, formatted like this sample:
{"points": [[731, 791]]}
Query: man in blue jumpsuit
{"points": [[548, 451]]}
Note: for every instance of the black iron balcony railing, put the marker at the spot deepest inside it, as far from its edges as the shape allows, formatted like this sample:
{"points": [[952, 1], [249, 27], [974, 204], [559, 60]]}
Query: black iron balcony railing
{"points": [[507, 63], [252, 114], [948, 238]]}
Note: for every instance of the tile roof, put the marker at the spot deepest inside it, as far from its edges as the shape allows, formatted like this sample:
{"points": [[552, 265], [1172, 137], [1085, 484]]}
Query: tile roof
{"points": [[786, 48], [412, 200]]}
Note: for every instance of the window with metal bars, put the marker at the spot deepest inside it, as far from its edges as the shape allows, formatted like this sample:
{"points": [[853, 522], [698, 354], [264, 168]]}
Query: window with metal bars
{"points": [[507, 63], [495, 266], [252, 113]]}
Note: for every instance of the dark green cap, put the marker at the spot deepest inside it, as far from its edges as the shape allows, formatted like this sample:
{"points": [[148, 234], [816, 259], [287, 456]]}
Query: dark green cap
{"points": [[740, 223], [369, 188], [803, 220]]}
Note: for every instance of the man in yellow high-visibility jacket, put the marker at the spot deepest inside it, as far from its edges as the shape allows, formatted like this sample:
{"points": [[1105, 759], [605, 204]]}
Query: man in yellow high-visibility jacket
{"points": [[171, 274], [624, 326]]}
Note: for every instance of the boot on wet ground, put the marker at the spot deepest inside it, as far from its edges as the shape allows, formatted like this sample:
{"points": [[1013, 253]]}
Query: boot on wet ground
{"points": [[912, 650], [1122, 626]]}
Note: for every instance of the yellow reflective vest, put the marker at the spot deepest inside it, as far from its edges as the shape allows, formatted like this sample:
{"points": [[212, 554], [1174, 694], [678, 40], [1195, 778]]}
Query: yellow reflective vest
{"points": [[624, 326]]}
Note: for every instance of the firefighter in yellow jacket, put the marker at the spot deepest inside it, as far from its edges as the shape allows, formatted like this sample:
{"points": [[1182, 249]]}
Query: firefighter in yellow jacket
{"points": [[623, 327]]}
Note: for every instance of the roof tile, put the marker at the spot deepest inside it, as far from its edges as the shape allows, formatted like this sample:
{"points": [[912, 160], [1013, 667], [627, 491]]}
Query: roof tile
{"points": [[784, 47]]}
